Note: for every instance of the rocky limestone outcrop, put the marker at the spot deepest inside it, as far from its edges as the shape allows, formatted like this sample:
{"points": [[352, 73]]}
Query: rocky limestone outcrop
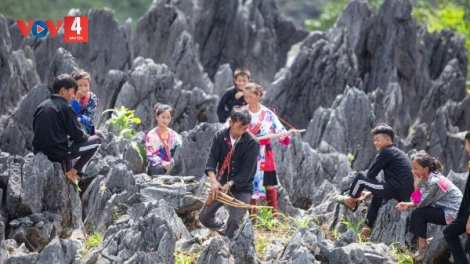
{"points": [[149, 83]]}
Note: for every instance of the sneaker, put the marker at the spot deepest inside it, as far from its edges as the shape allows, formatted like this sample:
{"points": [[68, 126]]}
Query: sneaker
{"points": [[419, 255], [365, 234]]}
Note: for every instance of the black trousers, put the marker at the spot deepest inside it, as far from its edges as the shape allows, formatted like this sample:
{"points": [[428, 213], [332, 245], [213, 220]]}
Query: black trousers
{"points": [[208, 219], [377, 188], [85, 150], [420, 217], [451, 233]]}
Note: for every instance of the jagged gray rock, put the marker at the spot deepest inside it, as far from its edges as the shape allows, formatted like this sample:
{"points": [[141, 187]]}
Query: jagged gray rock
{"points": [[218, 252], [263, 50], [186, 66], [190, 159], [449, 86], [36, 230], [40, 186], [108, 196], [365, 253], [391, 224], [242, 247], [17, 71], [180, 194], [446, 144], [302, 172], [150, 83], [322, 69], [145, 236], [223, 79], [346, 127]]}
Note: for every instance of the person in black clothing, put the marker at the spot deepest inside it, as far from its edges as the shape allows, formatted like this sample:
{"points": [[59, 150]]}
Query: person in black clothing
{"points": [[55, 122], [231, 168], [234, 95], [462, 223], [398, 178]]}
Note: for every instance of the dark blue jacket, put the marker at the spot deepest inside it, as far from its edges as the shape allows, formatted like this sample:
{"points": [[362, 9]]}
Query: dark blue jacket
{"points": [[227, 102]]}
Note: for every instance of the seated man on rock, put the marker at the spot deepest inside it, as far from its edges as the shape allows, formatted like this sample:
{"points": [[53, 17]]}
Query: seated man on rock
{"points": [[231, 167], [55, 122], [397, 184]]}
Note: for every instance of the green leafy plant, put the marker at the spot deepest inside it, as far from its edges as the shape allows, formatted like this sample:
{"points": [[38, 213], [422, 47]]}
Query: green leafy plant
{"points": [[261, 245], [123, 120], [93, 240], [400, 254], [184, 257], [350, 158], [349, 224]]}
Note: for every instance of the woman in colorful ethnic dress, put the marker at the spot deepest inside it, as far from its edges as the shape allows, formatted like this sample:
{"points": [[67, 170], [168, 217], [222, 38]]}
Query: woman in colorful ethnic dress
{"points": [[161, 142], [435, 199], [264, 122]]}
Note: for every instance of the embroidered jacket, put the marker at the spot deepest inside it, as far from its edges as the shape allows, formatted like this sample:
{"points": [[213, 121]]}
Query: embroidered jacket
{"points": [[440, 192], [86, 109], [262, 124], [156, 152]]}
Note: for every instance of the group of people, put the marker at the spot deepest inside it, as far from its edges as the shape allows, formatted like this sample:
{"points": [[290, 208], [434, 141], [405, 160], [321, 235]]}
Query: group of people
{"points": [[416, 184], [241, 160]]}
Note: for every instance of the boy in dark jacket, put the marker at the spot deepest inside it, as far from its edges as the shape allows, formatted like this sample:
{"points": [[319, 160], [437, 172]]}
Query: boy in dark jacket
{"points": [[55, 122], [231, 168], [397, 184], [462, 223], [234, 95]]}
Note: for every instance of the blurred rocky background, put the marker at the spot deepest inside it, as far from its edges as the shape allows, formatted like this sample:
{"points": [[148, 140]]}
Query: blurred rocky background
{"points": [[336, 68]]}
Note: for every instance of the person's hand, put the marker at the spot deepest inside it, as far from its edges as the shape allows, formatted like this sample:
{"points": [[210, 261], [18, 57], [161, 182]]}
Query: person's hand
{"points": [[226, 188], [402, 206], [79, 119], [215, 187], [283, 136], [166, 164], [467, 229], [238, 95], [364, 195], [417, 180], [293, 131]]}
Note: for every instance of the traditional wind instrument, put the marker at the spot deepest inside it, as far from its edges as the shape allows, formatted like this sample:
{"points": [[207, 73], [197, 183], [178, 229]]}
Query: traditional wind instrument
{"points": [[282, 133], [230, 201]]}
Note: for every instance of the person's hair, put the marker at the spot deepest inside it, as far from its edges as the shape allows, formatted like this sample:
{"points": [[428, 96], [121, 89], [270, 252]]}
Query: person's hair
{"points": [[161, 108], [384, 129], [78, 75], [242, 72], [467, 136], [64, 81], [425, 160], [255, 88], [240, 114]]}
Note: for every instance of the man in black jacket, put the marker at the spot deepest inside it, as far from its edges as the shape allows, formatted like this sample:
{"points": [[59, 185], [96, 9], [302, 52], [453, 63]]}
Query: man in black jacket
{"points": [[398, 179], [233, 96], [54, 122], [231, 167], [462, 223]]}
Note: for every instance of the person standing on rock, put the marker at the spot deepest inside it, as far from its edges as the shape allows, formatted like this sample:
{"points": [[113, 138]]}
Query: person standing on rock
{"points": [[397, 184], [264, 122], [231, 168], [161, 142], [233, 96], [436, 202], [461, 224], [55, 122], [85, 102]]}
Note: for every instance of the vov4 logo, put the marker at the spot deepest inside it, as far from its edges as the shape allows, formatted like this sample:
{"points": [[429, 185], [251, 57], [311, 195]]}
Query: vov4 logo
{"points": [[75, 28]]}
